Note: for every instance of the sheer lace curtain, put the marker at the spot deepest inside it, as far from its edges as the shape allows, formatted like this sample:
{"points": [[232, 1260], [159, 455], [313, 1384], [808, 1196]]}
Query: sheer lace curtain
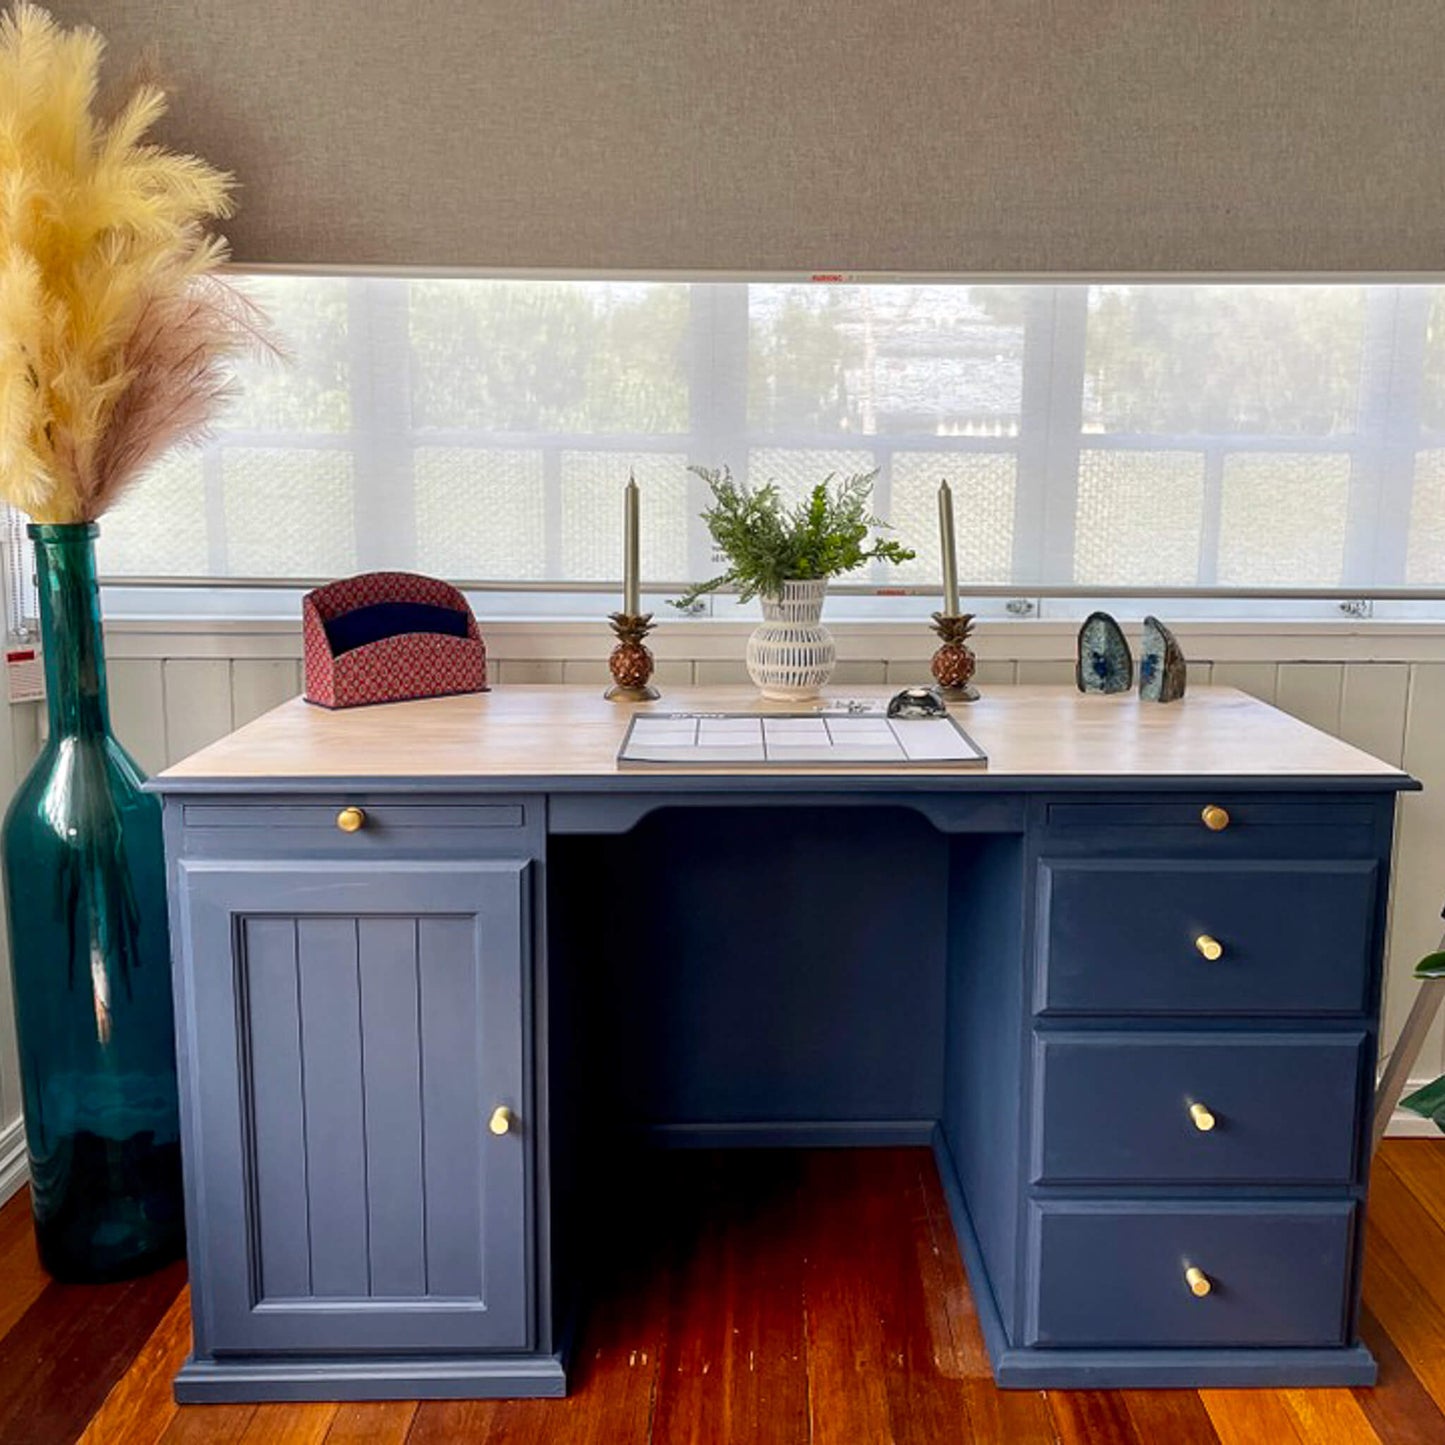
{"points": [[1244, 438]]}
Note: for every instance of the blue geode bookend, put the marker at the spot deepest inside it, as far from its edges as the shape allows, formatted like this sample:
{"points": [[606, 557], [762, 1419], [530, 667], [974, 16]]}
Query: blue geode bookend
{"points": [[1104, 662], [1162, 669]]}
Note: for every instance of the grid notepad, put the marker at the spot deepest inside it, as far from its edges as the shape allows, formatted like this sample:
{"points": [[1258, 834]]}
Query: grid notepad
{"points": [[748, 740]]}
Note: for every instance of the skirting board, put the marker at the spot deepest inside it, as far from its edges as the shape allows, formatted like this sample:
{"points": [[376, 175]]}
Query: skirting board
{"points": [[13, 1168], [1405, 1125]]}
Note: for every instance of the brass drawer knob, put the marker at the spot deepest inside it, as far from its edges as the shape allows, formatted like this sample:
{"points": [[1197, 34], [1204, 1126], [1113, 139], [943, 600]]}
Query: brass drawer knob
{"points": [[1210, 948], [501, 1121], [1199, 1283], [1203, 1119], [351, 820], [1215, 818]]}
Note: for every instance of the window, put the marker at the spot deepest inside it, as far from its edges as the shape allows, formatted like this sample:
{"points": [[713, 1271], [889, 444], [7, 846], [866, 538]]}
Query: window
{"points": [[1243, 439]]}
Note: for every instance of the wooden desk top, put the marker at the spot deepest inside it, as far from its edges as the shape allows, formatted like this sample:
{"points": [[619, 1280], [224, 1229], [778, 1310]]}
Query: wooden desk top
{"points": [[554, 732]]}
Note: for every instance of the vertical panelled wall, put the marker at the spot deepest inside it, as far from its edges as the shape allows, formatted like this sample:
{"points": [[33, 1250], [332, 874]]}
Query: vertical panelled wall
{"points": [[174, 692]]}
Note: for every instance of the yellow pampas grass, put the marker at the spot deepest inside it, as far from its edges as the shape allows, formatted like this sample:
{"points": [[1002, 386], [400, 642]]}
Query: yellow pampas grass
{"points": [[115, 333]]}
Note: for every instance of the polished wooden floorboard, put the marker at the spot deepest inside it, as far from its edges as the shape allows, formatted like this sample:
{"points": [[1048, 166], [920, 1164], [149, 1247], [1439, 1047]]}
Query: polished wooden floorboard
{"points": [[778, 1297]]}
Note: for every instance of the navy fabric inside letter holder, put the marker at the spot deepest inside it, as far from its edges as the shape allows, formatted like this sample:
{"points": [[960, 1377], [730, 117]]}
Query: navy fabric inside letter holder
{"points": [[389, 619]]}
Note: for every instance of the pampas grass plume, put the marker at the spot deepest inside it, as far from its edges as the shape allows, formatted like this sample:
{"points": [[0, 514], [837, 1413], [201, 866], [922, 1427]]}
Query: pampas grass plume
{"points": [[116, 335]]}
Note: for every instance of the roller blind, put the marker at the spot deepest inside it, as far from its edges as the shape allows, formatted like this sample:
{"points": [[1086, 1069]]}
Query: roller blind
{"points": [[765, 136]]}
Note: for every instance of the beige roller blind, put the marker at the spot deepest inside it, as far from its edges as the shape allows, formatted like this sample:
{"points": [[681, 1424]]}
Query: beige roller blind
{"points": [[979, 136]]}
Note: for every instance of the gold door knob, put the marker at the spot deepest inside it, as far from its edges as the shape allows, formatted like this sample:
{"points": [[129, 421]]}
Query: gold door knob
{"points": [[1210, 948], [1199, 1283], [502, 1120], [1203, 1119], [351, 820], [1215, 818]]}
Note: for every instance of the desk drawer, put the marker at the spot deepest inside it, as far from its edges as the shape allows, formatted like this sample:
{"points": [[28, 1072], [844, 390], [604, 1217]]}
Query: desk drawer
{"points": [[1188, 812], [1113, 1275], [358, 824], [386, 816], [1278, 1108], [1124, 936], [1218, 827]]}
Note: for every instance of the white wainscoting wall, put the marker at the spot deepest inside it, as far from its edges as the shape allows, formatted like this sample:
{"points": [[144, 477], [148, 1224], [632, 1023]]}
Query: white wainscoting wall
{"points": [[1380, 685], [19, 739]]}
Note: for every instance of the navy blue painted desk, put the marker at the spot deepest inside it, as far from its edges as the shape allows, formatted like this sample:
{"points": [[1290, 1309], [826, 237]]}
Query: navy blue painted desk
{"points": [[434, 962]]}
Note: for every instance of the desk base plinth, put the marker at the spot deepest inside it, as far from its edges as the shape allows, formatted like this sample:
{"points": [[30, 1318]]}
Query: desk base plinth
{"points": [[493, 1377]]}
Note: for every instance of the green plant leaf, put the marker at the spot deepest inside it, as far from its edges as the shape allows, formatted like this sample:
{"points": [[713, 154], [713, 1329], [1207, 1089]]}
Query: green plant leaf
{"points": [[1431, 966], [1428, 1103], [767, 543]]}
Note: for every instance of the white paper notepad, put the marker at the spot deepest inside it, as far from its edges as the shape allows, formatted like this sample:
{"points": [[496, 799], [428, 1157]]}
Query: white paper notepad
{"points": [[796, 740]]}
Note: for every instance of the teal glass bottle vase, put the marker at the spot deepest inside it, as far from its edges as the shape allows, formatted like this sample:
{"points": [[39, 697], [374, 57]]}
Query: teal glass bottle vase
{"points": [[90, 955]]}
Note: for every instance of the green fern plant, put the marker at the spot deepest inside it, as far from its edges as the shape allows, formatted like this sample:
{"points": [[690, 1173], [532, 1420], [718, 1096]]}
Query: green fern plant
{"points": [[767, 543]]}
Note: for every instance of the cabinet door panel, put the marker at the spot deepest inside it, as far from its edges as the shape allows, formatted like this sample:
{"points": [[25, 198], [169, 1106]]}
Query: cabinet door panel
{"points": [[354, 1026]]}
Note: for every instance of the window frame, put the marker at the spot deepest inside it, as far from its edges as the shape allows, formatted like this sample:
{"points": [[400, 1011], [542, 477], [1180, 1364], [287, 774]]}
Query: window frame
{"points": [[1048, 446]]}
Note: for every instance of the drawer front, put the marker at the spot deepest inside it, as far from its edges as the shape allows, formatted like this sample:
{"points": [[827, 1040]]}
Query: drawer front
{"points": [[1124, 936], [376, 818], [356, 824], [1240, 815], [1277, 1108], [1114, 1276], [1219, 827]]}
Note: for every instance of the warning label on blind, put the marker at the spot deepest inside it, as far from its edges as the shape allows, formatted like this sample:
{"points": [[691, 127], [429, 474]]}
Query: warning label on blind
{"points": [[24, 675]]}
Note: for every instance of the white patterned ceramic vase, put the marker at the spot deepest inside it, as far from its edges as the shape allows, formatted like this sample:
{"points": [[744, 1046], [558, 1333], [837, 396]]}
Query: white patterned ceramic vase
{"points": [[792, 654]]}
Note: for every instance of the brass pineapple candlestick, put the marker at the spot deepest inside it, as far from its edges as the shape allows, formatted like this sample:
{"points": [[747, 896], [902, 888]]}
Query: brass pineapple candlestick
{"points": [[954, 663], [631, 660]]}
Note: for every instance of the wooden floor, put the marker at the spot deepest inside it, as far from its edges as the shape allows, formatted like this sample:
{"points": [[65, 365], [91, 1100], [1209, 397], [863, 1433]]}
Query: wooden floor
{"points": [[778, 1297]]}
